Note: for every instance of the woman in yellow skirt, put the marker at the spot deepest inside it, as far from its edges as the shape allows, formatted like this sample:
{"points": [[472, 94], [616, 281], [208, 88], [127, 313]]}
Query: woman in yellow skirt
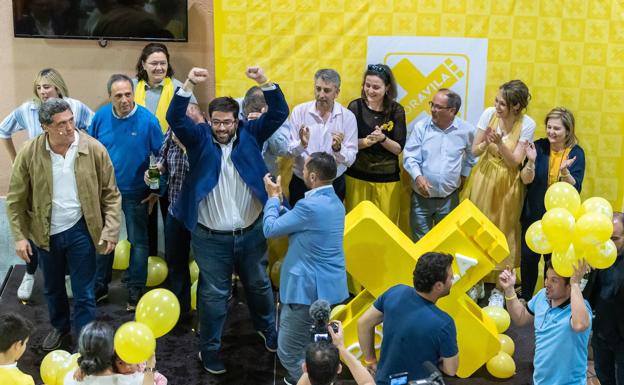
{"points": [[375, 174], [494, 186]]}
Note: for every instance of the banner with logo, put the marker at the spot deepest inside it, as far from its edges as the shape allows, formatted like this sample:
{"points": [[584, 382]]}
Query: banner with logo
{"points": [[569, 52]]}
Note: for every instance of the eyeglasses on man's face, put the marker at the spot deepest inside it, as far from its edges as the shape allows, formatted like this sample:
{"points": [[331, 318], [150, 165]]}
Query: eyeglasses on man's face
{"points": [[224, 123], [436, 107]]}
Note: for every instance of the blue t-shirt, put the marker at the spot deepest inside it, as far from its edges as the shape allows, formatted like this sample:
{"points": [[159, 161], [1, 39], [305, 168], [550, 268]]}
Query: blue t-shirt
{"points": [[129, 142], [560, 352], [415, 330]]}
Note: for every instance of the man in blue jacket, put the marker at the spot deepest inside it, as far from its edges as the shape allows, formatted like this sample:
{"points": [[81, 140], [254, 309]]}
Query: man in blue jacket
{"points": [[314, 266], [221, 204]]}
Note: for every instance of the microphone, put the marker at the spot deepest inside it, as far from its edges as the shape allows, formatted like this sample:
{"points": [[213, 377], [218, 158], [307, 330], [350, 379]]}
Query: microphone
{"points": [[320, 310]]}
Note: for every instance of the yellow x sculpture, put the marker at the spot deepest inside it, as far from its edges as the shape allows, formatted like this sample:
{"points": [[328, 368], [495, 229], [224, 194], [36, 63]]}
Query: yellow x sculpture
{"points": [[379, 256]]}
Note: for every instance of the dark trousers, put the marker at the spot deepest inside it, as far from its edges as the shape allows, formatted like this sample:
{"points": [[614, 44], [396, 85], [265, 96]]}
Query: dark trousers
{"points": [[177, 250], [135, 213], [72, 248], [217, 255], [297, 188], [529, 265], [31, 267], [152, 224], [608, 360]]}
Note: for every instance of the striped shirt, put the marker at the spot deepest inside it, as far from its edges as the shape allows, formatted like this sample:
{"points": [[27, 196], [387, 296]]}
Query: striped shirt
{"points": [[175, 163], [26, 117]]}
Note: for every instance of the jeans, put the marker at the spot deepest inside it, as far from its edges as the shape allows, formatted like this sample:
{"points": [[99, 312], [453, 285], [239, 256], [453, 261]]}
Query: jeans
{"points": [[177, 250], [135, 213], [297, 188], [71, 248], [425, 211], [608, 360], [217, 255], [293, 337]]}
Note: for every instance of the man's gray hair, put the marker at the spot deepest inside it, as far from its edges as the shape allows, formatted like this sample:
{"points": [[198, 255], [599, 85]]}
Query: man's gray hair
{"points": [[328, 75], [51, 107], [118, 78]]}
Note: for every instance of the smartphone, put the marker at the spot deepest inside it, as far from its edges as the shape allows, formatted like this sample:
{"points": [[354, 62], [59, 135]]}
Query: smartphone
{"points": [[398, 379]]}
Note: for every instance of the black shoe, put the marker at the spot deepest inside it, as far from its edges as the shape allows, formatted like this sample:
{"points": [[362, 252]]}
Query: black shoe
{"points": [[289, 381], [270, 339], [212, 363], [53, 340], [101, 294], [134, 294]]}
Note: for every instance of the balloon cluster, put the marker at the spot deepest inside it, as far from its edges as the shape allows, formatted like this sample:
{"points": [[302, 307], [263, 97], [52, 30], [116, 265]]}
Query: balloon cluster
{"points": [[56, 365], [572, 230], [502, 364], [156, 314]]}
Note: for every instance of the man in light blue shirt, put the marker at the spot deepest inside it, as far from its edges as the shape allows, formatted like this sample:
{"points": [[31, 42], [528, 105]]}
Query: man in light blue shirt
{"points": [[562, 322], [314, 266], [438, 157]]}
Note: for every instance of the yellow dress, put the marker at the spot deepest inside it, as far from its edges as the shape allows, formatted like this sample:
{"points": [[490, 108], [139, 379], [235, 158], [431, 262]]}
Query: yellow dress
{"points": [[498, 192]]}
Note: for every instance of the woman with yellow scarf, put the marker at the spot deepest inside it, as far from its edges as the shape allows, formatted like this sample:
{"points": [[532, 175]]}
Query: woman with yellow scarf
{"points": [[154, 87]]}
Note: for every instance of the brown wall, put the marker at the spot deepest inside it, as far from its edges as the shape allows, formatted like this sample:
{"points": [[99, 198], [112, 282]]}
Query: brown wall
{"points": [[86, 66]]}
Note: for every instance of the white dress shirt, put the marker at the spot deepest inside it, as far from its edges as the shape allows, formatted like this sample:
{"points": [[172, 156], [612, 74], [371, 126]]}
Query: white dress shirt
{"points": [[66, 210], [230, 205], [341, 120]]}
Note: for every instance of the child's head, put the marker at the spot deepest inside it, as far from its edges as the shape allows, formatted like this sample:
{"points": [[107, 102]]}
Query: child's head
{"points": [[122, 367], [14, 333]]}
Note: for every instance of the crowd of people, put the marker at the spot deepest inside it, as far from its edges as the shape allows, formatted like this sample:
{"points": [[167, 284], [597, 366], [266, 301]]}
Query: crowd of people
{"points": [[220, 196]]}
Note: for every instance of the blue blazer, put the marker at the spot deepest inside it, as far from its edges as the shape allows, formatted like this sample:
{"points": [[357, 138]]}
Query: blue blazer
{"points": [[204, 154], [534, 201], [314, 266]]}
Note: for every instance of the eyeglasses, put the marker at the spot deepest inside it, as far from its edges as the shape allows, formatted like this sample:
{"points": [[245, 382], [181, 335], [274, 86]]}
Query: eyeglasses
{"points": [[224, 123], [434, 106], [377, 68]]}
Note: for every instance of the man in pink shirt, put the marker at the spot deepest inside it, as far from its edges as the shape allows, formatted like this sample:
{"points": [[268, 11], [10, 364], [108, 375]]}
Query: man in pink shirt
{"points": [[322, 125]]}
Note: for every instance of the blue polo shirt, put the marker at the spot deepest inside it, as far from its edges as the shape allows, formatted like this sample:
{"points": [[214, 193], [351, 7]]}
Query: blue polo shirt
{"points": [[415, 330], [560, 352]]}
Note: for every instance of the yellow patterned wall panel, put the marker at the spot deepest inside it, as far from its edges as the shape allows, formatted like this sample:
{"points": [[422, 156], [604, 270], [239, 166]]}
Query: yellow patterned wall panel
{"points": [[570, 52]]}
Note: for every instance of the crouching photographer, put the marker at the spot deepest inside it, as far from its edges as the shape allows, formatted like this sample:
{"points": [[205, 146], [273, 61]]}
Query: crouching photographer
{"points": [[322, 360]]}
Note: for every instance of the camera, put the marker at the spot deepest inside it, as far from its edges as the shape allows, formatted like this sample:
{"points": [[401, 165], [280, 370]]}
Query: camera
{"points": [[319, 312], [435, 377], [318, 331]]}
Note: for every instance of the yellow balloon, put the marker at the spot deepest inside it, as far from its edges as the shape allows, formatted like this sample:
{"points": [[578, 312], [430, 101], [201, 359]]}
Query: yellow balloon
{"points": [[499, 316], [51, 364], [537, 240], [156, 271], [275, 272], [602, 255], [194, 295], [134, 342], [501, 365], [557, 225], [194, 269], [70, 365], [122, 255], [507, 344], [597, 205], [593, 228], [159, 309], [563, 261], [562, 195]]}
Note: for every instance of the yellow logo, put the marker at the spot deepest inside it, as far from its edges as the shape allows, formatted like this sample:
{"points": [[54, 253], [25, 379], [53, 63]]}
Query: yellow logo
{"points": [[420, 88]]}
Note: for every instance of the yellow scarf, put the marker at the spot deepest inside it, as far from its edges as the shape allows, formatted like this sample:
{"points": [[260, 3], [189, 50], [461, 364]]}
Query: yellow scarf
{"points": [[163, 102]]}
